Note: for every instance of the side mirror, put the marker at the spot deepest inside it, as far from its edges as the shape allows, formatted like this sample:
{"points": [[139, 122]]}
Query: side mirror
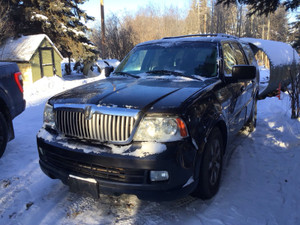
{"points": [[243, 72], [108, 70]]}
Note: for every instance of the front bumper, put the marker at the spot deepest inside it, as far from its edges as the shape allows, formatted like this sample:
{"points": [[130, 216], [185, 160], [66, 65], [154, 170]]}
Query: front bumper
{"points": [[119, 173]]}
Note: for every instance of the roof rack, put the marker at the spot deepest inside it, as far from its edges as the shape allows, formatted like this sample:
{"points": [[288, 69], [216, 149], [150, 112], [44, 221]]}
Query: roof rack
{"points": [[203, 35]]}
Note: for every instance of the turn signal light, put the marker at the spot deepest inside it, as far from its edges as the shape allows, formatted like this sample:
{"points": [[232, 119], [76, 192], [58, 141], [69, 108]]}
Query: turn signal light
{"points": [[182, 128]]}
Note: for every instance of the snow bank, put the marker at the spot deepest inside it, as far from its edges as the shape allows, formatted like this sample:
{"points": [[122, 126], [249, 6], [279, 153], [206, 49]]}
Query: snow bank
{"points": [[48, 86]]}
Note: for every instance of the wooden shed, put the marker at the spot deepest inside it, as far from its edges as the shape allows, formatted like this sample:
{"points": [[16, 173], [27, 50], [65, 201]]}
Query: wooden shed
{"points": [[35, 55]]}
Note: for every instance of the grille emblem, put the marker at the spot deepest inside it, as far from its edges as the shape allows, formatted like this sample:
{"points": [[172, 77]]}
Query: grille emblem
{"points": [[88, 112]]}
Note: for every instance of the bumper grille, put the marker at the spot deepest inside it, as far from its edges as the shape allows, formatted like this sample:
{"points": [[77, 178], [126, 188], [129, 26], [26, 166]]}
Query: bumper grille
{"points": [[100, 127], [133, 176]]}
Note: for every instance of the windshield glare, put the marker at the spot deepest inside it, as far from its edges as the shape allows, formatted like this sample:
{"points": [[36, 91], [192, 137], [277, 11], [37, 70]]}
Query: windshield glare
{"points": [[188, 58]]}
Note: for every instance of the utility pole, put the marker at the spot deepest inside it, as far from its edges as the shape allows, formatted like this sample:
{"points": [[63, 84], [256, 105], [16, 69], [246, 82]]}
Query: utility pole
{"points": [[102, 29]]}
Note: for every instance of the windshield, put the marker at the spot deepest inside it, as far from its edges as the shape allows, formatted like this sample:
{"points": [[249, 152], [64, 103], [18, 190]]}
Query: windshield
{"points": [[175, 58]]}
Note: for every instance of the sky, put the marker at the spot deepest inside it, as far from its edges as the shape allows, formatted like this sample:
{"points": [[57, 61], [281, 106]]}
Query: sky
{"points": [[118, 7]]}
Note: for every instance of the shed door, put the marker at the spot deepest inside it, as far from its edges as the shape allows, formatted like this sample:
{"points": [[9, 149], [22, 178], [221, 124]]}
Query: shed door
{"points": [[47, 63]]}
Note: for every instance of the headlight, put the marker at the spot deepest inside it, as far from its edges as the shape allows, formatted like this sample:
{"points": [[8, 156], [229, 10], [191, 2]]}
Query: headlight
{"points": [[49, 118], [161, 129]]}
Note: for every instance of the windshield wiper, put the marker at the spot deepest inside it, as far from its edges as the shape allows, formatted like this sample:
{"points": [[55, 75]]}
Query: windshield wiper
{"points": [[127, 74], [170, 72]]}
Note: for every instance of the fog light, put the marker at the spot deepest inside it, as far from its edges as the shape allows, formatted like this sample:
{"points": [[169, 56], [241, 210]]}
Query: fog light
{"points": [[159, 175]]}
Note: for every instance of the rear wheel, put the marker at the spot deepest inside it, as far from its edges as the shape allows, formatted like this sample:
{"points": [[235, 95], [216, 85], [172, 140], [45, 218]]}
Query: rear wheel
{"points": [[211, 166], [3, 134]]}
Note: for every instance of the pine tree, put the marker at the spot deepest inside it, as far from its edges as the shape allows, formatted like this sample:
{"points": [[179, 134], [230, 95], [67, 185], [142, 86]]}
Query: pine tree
{"points": [[61, 20], [264, 7], [295, 33], [6, 27]]}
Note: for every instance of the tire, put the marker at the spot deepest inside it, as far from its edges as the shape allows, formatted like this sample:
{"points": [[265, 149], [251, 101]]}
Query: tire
{"points": [[252, 121], [211, 166], [3, 134]]}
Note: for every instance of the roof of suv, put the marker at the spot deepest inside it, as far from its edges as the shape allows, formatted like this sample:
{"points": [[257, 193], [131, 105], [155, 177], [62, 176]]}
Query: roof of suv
{"points": [[193, 37]]}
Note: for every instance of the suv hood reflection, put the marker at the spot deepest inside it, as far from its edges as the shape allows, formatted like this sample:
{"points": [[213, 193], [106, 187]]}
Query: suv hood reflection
{"points": [[139, 94]]}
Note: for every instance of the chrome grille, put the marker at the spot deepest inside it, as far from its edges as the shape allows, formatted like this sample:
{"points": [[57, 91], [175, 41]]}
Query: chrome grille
{"points": [[101, 127]]}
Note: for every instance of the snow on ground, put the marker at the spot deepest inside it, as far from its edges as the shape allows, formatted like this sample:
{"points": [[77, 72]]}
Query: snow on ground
{"points": [[260, 182], [46, 87]]}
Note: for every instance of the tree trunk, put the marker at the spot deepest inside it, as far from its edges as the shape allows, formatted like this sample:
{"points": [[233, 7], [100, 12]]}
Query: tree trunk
{"points": [[205, 20], [198, 16], [212, 16], [294, 116], [68, 66], [268, 33], [263, 30], [241, 19]]}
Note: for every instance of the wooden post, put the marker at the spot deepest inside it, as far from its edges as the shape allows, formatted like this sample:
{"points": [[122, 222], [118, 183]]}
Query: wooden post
{"points": [[41, 62], [102, 29], [53, 61]]}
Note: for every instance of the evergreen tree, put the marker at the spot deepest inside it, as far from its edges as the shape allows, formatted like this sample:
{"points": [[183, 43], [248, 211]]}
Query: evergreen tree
{"points": [[61, 20], [295, 33], [264, 6], [6, 27]]}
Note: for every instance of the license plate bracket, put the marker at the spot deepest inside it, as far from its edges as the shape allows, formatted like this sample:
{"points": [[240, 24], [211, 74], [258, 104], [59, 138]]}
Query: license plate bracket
{"points": [[84, 185]]}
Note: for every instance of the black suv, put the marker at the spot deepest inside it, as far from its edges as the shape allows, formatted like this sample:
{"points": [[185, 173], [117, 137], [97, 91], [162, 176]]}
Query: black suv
{"points": [[159, 125]]}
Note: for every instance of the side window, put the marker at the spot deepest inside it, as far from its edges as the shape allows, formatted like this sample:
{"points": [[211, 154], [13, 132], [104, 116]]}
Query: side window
{"points": [[229, 58], [249, 54], [238, 54]]}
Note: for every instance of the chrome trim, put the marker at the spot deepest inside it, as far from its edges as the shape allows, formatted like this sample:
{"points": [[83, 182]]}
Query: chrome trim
{"points": [[106, 124], [107, 110]]}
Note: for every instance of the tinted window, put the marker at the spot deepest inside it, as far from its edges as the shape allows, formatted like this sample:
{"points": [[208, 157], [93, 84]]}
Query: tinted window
{"points": [[240, 59], [229, 58], [189, 58], [249, 53]]}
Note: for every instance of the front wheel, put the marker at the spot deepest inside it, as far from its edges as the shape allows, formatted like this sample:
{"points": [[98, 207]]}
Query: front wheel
{"points": [[211, 166], [3, 134], [252, 121]]}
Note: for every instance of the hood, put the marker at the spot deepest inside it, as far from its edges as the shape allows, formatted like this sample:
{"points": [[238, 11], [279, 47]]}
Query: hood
{"points": [[141, 94]]}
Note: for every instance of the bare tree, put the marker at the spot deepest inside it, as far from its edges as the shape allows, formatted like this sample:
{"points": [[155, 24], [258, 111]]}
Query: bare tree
{"points": [[294, 90], [119, 38]]}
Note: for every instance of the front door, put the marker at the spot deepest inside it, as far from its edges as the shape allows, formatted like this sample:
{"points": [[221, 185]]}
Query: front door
{"points": [[237, 110], [47, 63]]}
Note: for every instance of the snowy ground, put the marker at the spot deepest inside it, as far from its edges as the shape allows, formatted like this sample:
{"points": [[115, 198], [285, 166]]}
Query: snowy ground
{"points": [[260, 183]]}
